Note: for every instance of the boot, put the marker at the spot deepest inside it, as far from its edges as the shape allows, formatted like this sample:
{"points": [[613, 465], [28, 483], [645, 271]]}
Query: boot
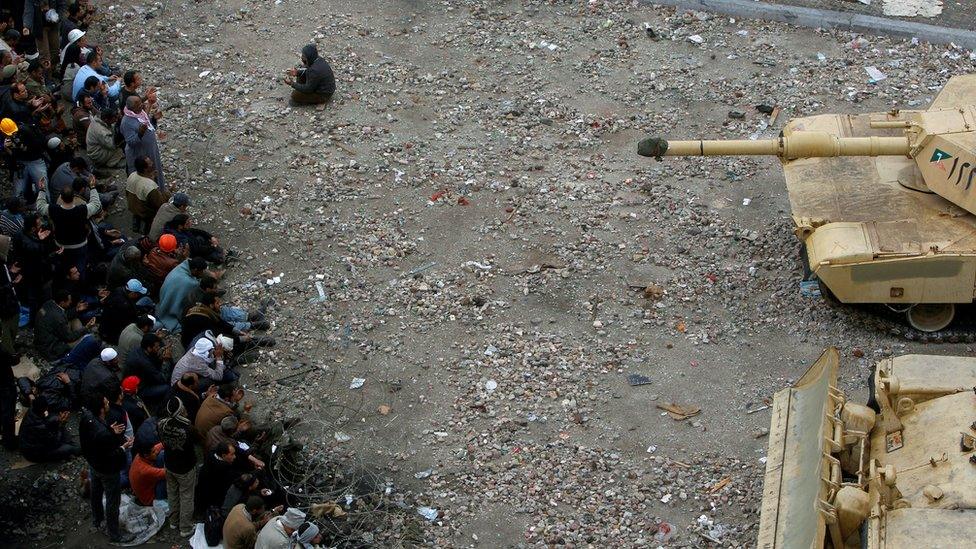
{"points": [[261, 325]]}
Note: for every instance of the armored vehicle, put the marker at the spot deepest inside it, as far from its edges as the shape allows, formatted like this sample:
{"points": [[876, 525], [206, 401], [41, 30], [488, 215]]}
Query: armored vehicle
{"points": [[882, 203], [899, 474]]}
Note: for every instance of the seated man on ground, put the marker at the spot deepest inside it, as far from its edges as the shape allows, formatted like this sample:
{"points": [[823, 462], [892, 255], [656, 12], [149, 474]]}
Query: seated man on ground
{"points": [[104, 151], [148, 480], [143, 196], [313, 83], [54, 337], [43, 434]]}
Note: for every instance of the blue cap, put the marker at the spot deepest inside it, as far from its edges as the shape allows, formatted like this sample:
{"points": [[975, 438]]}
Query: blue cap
{"points": [[136, 286]]}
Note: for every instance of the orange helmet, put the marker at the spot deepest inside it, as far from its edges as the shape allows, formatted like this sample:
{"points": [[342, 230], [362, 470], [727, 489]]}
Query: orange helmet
{"points": [[8, 127], [167, 243]]}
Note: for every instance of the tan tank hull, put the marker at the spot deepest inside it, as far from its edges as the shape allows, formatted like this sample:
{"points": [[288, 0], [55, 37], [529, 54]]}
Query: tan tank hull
{"points": [[907, 482]]}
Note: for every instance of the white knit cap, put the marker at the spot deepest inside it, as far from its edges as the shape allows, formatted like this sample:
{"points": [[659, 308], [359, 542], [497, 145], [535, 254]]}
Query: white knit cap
{"points": [[293, 518], [108, 354]]}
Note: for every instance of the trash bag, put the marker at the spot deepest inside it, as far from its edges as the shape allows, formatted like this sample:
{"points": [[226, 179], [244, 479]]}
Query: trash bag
{"points": [[141, 521]]}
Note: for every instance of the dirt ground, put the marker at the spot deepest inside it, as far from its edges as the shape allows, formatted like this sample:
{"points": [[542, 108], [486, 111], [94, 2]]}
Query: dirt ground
{"points": [[472, 205]]}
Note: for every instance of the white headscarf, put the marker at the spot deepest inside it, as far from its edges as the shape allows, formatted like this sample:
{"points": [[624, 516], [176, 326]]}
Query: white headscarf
{"points": [[202, 349]]}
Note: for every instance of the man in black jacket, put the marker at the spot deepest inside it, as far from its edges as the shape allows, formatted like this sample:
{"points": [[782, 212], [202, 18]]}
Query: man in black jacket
{"points": [[146, 362], [313, 84], [53, 335], [119, 310], [104, 447], [101, 376], [43, 435], [216, 476]]}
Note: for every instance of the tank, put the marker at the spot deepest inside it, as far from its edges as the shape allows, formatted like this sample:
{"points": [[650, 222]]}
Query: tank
{"points": [[883, 204], [898, 473]]}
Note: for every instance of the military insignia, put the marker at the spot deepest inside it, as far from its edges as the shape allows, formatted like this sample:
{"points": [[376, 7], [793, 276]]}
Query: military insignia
{"points": [[937, 157]]}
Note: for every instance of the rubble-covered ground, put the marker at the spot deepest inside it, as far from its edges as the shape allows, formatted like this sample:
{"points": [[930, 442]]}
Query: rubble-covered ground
{"points": [[482, 231]]}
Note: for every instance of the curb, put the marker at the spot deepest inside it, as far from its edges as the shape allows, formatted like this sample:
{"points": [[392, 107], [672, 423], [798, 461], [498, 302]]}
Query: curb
{"points": [[811, 17]]}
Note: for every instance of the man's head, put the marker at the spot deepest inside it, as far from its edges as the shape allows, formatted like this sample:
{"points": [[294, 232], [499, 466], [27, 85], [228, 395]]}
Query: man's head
{"points": [[18, 91], [97, 404], [78, 185], [145, 167], [225, 451], [179, 222], [62, 297], [151, 344], [109, 116], [16, 205], [198, 266], [134, 103], [228, 425], [308, 534], [144, 323], [149, 453], [109, 356], [229, 392], [135, 289], [78, 165], [35, 70], [210, 285], [94, 59], [132, 79], [181, 201], [203, 349], [73, 274], [211, 301], [254, 507], [168, 243], [11, 37], [292, 519], [91, 85], [130, 385], [309, 54], [132, 255], [189, 380], [68, 193]]}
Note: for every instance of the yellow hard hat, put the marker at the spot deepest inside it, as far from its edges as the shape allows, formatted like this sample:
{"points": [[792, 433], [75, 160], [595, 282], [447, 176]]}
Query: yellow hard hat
{"points": [[8, 127]]}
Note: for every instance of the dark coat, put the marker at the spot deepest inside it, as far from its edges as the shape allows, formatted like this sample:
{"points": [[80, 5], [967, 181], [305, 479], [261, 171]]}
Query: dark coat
{"points": [[136, 410], [318, 77], [118, 311], [216, 477], [51, 333], [40, 435], [148, 369], [100, 445], [97, 379]]}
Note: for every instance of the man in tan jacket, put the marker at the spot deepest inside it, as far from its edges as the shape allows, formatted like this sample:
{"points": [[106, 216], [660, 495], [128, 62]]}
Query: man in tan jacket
{"points": [[243, 522]]}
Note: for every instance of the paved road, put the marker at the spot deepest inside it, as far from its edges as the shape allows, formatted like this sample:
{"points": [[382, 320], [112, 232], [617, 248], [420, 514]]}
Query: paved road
{"points": [[955, 13]]}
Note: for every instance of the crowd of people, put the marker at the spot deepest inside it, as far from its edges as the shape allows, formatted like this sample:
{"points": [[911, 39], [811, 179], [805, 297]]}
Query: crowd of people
{"points": [[129, 326]]}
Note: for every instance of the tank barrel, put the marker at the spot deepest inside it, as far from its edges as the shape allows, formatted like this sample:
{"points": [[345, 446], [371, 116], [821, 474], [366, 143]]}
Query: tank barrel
{"points": [[801, 144]]}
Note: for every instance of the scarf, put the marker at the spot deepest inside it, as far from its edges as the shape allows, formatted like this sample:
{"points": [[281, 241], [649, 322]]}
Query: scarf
{"points": [[142, 117], [304, 535]]}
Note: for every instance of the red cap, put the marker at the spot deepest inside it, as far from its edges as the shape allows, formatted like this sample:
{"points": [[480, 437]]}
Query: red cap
{"points": [[130, 385]]}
